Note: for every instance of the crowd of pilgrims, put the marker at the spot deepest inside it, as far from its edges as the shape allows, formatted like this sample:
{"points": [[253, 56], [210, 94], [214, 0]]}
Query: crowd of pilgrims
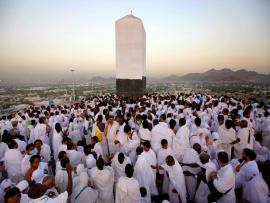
{"points": [[156, 148]]}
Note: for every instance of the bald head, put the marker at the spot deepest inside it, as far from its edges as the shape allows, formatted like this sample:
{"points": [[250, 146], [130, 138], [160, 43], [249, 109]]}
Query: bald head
{"points": [[204, 157], [197, 148], [170, 160], [48, 181], [243, 123]]}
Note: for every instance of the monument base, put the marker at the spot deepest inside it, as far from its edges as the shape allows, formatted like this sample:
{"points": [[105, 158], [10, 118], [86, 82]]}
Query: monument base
{"points": [[130, 87]]}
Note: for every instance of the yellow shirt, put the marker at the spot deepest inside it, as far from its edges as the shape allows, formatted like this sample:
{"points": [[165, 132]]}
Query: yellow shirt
{"points": [[99, 135]]}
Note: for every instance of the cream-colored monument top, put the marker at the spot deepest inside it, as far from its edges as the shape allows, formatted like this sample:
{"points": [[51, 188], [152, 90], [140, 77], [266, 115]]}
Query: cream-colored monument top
{"points": [[130, 48]]}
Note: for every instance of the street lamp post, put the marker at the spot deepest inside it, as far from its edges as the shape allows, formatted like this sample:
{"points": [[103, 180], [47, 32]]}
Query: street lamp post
{"points": [[73, 91]]}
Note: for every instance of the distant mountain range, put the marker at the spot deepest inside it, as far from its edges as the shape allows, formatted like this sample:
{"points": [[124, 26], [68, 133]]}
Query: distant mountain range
{"points": [[224, 75], [98, 79], [212, 75]]}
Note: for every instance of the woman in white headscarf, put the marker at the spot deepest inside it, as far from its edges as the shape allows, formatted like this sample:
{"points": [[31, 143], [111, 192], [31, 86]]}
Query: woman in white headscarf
{"points": [[213, 145], [77, 171], [90, 164]]}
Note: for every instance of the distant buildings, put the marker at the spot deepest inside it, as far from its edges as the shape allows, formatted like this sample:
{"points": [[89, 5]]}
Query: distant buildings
{"points": [[130, 56]]}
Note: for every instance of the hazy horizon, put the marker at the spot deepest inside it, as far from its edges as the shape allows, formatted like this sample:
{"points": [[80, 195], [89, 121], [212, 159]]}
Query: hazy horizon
{"points": [[45, 39]]}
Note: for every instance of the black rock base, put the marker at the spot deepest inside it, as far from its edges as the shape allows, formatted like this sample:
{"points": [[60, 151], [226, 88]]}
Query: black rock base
{"points": [[130, 87]]}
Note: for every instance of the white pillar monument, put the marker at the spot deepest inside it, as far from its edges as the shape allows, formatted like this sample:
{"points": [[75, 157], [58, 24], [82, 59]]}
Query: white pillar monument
{"points": [[130, 56]]}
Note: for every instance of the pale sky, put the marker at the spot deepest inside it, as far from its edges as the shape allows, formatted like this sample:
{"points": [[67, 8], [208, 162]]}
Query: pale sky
{"points": [[40, 38]]}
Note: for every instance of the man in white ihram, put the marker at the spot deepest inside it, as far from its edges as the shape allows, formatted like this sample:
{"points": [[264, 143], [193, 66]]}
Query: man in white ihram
{"points": [[180, 141], [118, 164], [159, 132], [145, 174], [41, 131], [111, 130], [13, 159], [222, 183], [177, 186], [127, 188], [103, 181]]}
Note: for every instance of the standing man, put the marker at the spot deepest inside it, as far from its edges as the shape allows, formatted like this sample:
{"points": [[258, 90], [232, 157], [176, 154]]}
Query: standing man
{"points": [[13, 159], [159, 132], [103, 181], [180, 141], [127, 188], [222, 183], [227, 136], [110, 133], [41, 131], [177, 186]]}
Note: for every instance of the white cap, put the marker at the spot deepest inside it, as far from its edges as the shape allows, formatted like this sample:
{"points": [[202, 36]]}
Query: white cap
{"points": [[90, 161], [22, 185], [215, 135]]}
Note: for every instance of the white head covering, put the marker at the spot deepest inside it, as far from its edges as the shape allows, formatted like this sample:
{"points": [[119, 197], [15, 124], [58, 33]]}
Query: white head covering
{"points": [[83, 179], [90, 161], [80, 169], [6, 183], [219, 150], [74, 158], [22, 185], [215, 135], [194, 139], [64, 129]]}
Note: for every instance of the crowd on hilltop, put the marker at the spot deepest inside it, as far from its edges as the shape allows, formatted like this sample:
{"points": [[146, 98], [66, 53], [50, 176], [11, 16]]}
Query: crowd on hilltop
{"points": [[157, 148]]}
